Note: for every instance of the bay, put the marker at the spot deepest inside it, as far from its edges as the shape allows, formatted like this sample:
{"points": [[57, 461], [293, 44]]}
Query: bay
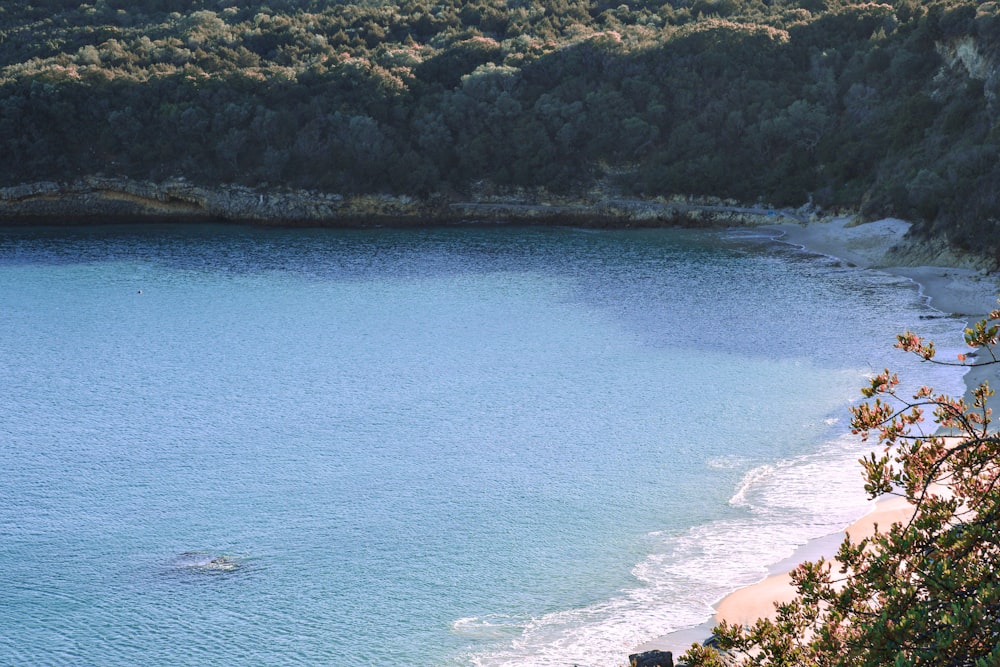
{"points": [[442, 446]]}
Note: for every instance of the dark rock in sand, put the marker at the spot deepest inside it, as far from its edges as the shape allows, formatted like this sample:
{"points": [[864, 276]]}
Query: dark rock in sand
{"points": [[651, 659]]}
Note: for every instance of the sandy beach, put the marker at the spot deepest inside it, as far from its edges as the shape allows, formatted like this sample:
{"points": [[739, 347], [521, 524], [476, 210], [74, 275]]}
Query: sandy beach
{"points": [[964, 292]]}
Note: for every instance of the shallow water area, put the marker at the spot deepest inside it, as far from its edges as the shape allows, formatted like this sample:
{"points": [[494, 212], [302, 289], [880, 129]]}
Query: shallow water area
{"points": [[490, 446]]}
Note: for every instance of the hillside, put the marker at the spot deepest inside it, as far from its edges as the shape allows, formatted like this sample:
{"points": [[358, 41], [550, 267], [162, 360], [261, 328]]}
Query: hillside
{"points": [[887, 108]]}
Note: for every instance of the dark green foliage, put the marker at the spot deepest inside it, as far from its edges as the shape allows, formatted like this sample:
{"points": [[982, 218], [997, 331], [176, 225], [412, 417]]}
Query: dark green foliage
{"points": [[891, 108]]}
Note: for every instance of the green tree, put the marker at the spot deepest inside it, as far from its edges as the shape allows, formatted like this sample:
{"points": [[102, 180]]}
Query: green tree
{"points": [[923, 592]]}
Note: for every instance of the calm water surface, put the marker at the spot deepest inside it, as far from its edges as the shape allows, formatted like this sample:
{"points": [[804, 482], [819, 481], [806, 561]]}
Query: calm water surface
{"points": [[505, 446]]}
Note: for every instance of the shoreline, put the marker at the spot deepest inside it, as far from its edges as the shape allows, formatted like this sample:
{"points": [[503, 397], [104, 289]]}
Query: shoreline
{"points": [[104, 199], [961, 290]]}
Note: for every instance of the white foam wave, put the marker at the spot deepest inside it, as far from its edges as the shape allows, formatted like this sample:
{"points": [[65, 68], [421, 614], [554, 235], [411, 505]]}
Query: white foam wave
{"points": [[727, 462], [776, 508], [494, 626], [791, 502], [596, 635], [752, 479]]}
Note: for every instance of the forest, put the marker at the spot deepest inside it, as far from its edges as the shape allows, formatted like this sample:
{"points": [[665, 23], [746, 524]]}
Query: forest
{"points": [[885, 108]]}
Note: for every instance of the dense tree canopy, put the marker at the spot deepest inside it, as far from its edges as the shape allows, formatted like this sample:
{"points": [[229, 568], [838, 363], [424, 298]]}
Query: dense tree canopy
{"points": [[921, 592], [889, 107]]}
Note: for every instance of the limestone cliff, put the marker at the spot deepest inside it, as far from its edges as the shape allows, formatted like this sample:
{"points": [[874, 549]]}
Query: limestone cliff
{"points": [[117, 200], [121, 200], [966, 55]]}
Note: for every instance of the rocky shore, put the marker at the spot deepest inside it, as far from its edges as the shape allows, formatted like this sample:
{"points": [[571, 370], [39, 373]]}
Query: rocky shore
{"points": [[121, 200], [116, 200]]}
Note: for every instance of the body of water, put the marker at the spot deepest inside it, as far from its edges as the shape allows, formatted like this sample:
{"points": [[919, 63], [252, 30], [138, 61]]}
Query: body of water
{"points": [[435, 447]]}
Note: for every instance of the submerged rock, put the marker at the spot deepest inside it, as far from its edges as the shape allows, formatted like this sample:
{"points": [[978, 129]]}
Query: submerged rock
{"points": [[200, 560]]}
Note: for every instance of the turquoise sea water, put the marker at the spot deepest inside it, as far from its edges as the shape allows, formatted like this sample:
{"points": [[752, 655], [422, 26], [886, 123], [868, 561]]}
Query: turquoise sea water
{"points": [[500, 446]]}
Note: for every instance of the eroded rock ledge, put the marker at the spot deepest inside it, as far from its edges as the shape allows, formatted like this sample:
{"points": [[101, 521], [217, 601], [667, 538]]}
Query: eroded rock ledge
{"points": [[113, 200], [120, 200]]}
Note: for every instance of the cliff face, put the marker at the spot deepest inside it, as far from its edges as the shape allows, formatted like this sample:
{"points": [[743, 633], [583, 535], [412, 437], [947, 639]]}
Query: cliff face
{"points": [[965, 52], [967, 55], [116, 200]]}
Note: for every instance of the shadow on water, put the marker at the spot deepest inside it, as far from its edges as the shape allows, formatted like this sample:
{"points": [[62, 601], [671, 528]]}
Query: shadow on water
{"points": [[654, 282]]}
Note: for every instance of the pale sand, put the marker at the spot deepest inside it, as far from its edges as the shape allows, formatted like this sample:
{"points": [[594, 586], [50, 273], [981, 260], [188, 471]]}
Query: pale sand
{"points": [[758, 601], [864, 245], [968, 293], [749, 603], [951, 290], [965, 292]]}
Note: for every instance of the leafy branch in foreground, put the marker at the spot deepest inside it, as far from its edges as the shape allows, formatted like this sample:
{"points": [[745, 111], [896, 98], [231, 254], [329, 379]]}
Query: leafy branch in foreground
{"points": [[921, 592]]}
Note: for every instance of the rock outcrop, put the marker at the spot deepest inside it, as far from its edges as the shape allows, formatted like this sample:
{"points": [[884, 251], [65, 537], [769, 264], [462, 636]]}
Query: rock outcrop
{"points": [[964, 54], [122, 200], [116, 200], [937, 252]]}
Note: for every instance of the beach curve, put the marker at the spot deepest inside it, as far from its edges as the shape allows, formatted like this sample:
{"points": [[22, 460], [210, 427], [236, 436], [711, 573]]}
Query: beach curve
{"points": [[955, 288]]}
